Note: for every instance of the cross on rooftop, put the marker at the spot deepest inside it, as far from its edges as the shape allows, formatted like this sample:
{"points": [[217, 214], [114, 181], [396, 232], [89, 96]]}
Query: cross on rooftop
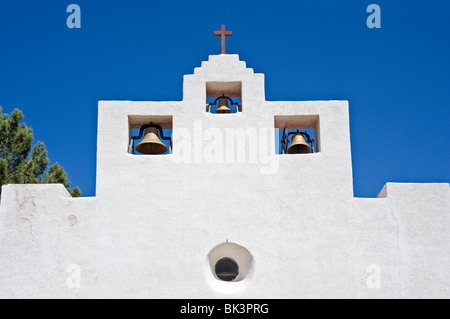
{"points": [[222, 34]]}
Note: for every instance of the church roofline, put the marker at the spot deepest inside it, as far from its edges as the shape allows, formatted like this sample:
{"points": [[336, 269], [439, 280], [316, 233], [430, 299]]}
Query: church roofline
{"points": [[224, 63]]}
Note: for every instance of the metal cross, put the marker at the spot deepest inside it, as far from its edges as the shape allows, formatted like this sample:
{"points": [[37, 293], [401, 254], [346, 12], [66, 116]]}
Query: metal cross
{"points": [[222, 34]]}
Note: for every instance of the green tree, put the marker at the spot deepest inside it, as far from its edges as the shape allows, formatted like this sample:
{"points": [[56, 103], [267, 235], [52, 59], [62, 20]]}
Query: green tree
{"points": [[17, 165]]}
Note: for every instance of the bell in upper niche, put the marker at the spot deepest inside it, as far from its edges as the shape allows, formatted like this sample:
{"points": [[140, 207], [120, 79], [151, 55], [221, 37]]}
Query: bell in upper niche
{"points": [[223, 106], [151, 143], [299, 145]]}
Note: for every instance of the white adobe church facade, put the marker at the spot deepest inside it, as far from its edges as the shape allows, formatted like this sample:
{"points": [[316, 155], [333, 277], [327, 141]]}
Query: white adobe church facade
{"points": [[159, 224]]}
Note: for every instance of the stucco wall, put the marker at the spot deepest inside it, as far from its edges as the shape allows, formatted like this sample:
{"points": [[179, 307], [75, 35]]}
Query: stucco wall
{"points": [[155, 219]]}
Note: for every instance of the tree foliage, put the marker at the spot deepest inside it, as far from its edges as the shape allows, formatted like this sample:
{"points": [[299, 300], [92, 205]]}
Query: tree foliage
{"points": [[20, 163]]}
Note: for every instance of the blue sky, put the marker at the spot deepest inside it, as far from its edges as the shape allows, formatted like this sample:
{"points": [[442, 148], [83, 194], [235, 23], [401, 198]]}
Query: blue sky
{"points": [[397, 78]]}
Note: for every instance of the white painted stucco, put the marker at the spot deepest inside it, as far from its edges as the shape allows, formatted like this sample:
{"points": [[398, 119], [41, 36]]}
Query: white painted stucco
{"points": [[150, 229]]}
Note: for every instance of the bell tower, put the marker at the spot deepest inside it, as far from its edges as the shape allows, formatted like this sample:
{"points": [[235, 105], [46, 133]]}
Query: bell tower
{"points": [[304, 144]]}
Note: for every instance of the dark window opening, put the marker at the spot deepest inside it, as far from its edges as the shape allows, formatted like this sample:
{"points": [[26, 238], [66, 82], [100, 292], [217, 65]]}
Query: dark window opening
{"points": [[227, 269]]}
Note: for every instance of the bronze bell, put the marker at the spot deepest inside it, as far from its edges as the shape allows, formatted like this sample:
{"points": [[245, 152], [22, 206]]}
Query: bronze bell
{"points": [[223, 106], [151, 144], [299, 145]]}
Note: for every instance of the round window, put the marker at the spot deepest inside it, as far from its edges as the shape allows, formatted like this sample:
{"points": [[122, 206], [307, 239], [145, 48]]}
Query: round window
{"points": [[229, 263], [227, 269]]}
